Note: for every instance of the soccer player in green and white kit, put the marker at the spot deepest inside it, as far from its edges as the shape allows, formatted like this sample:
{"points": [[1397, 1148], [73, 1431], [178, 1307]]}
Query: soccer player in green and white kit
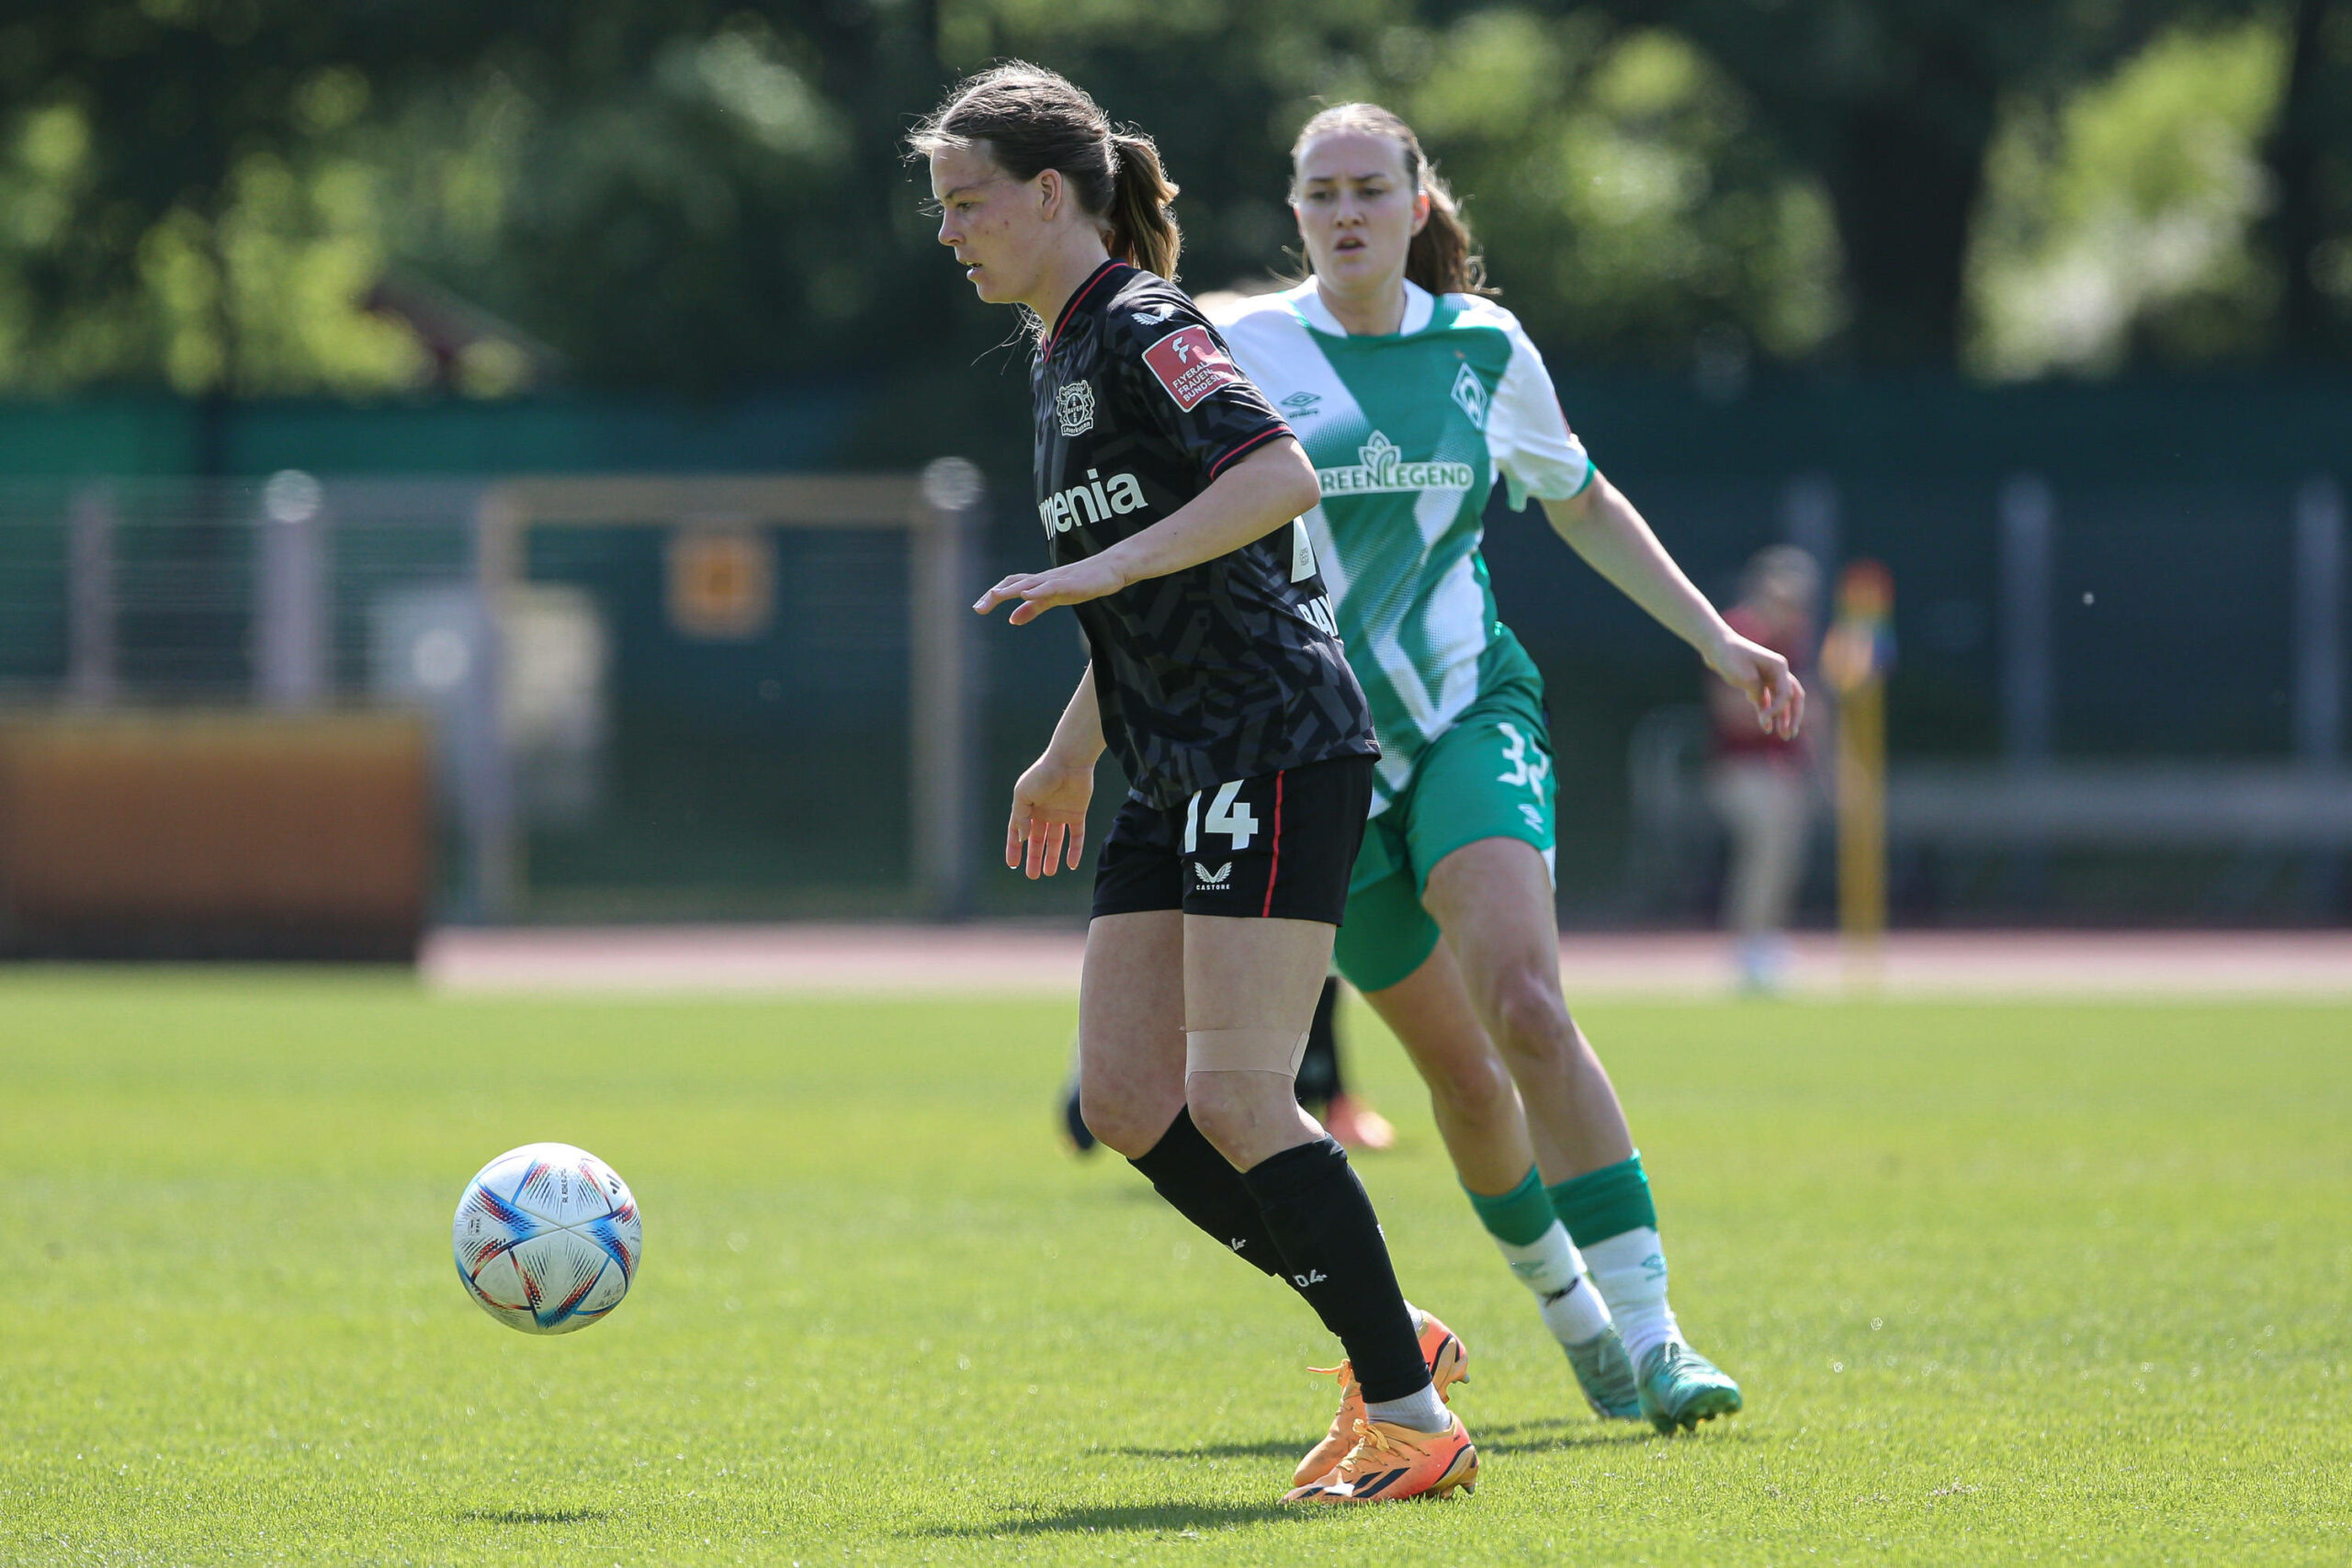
{"points": [[1412, 391]]}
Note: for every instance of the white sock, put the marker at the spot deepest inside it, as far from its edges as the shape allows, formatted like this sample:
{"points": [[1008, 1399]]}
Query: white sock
{"points": [[1630, 1271], [1549, 1265], [1423, 1411]]}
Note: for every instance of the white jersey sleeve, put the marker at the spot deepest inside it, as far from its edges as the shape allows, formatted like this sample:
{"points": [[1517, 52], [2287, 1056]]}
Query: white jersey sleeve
{"points": [[1534, 449]]}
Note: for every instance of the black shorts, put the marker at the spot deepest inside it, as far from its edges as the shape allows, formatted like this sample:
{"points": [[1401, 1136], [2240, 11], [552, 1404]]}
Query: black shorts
{"points": [[1281, 845]]}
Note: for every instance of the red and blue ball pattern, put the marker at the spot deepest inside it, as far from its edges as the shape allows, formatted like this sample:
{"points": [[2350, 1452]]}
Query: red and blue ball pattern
{"points": [[548, 1238]]}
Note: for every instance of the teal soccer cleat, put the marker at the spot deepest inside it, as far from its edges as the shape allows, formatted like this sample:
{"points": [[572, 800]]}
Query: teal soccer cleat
{"points": [[1682, 1388], [1605, 1375]]}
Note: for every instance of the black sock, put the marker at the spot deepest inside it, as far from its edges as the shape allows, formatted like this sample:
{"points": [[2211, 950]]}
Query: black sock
{"points": [[1323, 1224], [1201, 1185], [1318, 1069]]}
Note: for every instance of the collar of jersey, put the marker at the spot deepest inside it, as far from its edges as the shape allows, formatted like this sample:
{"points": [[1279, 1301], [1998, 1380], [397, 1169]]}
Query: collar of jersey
{"points": [[1307, 303], [1092, 281]]}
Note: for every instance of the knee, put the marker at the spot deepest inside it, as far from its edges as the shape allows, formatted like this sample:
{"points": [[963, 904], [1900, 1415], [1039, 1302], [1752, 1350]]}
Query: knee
{"points": [[1475, 1085], [1124, 1124], [1220, 1107], [1532, 1017]]}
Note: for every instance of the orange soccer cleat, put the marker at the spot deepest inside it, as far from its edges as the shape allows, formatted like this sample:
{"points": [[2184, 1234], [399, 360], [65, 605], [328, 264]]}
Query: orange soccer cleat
{"points": [[1359, 1128], [1449, 1360], [1391, 1463]]}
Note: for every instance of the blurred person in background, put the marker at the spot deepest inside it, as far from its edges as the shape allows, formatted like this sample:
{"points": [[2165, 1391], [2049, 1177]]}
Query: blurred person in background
{"points": [[1760, 782], [1413, 393]]}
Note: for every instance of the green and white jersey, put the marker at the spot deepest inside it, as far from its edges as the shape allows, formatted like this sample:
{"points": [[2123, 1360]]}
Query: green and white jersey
{"points": [[1408, 432]]}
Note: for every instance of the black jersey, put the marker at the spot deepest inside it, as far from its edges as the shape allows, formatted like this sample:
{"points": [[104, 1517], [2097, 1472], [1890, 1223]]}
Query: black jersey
{"points": [[1224, 670]]}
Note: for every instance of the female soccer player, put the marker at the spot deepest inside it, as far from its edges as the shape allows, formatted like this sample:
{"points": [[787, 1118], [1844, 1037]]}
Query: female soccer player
{"points": [[1168, 490], [1409, 392]]}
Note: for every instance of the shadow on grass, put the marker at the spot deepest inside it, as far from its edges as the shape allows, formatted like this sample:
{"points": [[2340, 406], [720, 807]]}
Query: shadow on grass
{"points": [[1517, 1437], [531, 1516], [1562, 1437], [1273, 1448], [1152, 1519]]}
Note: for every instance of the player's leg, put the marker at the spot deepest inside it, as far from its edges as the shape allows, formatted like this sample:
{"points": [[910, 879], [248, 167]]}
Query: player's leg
{"points": [[1493, 900], [1131, 1038], [1480, 838], [1322, 1089], [1250, 986], [1386, 951], [1071, 1114], [1323, 1085], [1258, 933], [1319, 1068], [1478, 1113], [1131, 1028]]}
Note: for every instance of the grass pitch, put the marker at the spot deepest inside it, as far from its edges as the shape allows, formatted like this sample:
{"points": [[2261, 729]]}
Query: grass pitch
{"points": [[2002, 1283]]}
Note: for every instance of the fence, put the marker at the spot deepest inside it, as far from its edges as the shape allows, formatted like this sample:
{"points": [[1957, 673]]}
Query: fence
{"points": [[647, 697], [2104, 596]]}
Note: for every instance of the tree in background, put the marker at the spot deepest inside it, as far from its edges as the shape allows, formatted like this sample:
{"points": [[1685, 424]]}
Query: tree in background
{"points": [[1633, 207], [1896, 104], [2309, 229], [245, 197], [170, 217], [2116, 221], [242, 197]]}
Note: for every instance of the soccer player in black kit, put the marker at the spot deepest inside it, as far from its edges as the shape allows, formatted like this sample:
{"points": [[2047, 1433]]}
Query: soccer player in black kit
{"points": [[1169, 492]]}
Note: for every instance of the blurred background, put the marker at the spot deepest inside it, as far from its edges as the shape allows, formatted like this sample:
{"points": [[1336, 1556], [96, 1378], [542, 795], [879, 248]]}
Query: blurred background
{"points": [[327, 330]]}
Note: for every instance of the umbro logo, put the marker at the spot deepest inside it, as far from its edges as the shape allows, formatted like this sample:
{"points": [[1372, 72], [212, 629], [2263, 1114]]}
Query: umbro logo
{"points": [[1312, 1277], [1301, 404], [1213, 878]]}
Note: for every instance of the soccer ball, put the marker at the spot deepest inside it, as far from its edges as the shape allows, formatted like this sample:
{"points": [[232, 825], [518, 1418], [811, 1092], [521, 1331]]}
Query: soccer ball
{"points": [[548, 1238]]}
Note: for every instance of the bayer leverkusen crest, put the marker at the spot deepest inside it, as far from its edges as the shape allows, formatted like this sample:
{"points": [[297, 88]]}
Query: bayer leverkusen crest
{"points": [[1074, 408], [1191, 366]]}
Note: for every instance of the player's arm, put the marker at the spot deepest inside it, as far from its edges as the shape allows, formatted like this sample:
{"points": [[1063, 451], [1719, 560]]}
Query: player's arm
{"points": [[1049, 799], [1602, 526], [1265, 489]]}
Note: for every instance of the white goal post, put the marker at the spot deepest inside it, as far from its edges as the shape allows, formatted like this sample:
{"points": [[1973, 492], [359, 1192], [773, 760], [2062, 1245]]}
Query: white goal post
{"points": [[938, 512]]}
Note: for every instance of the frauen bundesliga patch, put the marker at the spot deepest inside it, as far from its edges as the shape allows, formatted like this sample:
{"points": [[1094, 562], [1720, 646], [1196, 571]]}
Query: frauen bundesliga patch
{"points": [[1191, 366]]}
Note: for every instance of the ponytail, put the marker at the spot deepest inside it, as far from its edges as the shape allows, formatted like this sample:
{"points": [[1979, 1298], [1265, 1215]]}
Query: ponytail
{"points": [[1143, 229], [1443, 258]]}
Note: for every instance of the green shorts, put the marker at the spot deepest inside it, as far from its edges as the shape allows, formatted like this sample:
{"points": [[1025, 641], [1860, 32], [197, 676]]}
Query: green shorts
{"points": [[1489, 776]]}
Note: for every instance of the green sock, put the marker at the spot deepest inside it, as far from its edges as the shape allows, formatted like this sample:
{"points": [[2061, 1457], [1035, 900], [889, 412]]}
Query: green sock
{"points": [[1600, 1203], [1520, 1216]]}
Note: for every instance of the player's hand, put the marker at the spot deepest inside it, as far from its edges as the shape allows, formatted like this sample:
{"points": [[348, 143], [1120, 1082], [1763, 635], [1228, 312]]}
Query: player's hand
{"points": [[1764, 678], [1039, 592], [1048, 811]]}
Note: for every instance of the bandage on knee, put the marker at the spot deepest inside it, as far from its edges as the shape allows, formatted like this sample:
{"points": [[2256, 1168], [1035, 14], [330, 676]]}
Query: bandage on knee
{"points": [[1244, 1051]]}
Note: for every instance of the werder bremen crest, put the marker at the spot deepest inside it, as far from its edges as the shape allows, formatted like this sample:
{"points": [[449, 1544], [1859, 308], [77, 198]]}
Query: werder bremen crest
{"points": [[1383, 468], [1074, 408]]}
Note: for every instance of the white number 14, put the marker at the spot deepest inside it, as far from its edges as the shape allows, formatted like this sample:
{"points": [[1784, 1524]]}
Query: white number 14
{"points": [[1228, 814]]}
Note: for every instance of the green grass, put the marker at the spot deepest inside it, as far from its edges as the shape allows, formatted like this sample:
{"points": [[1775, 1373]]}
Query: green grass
{"points": [[2034, 1283]]}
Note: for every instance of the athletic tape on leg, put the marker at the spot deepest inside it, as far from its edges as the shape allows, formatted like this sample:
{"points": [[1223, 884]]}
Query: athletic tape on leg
{"points": [[1244, 1051]]}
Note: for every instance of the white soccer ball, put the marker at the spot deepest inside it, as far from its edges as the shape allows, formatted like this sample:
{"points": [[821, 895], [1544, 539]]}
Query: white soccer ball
{"points": [[548, 1238]]}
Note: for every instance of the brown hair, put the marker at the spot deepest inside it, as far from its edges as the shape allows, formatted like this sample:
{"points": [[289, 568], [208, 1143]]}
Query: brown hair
{"points": [[1443, 259], [1033, 120]]}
